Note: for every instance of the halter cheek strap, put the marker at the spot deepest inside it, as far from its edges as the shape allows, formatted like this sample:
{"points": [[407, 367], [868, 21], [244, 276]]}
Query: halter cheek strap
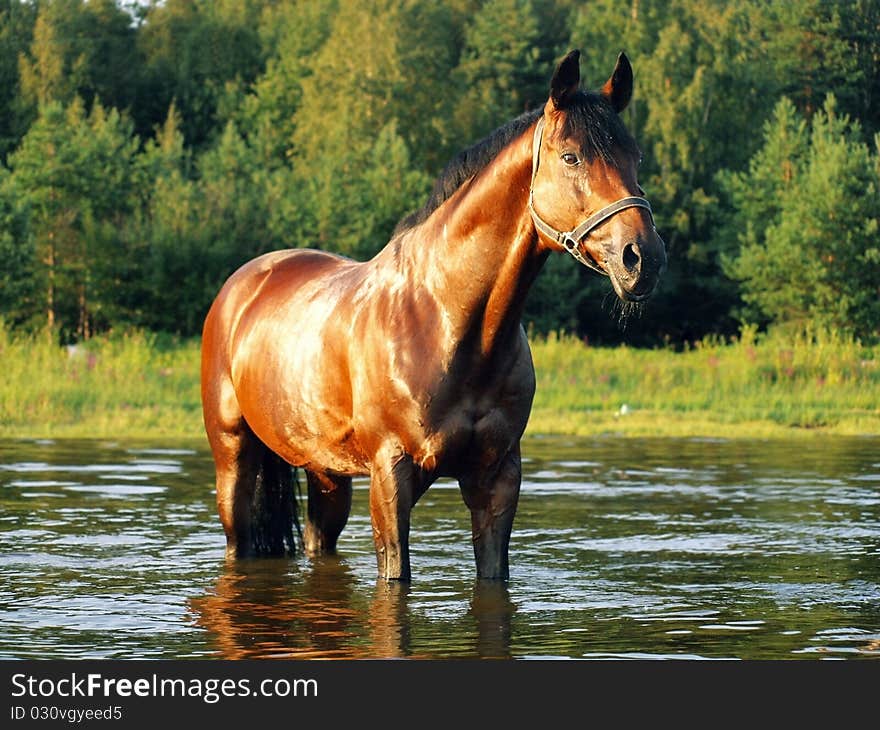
{"points": [[570, 240]]}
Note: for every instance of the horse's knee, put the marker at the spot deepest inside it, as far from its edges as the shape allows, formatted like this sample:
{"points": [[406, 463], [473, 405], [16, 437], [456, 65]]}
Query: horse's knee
{"points": [[495, 491]]}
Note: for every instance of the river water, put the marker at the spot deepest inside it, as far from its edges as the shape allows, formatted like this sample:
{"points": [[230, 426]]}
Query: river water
{"points": [[643, 548]]}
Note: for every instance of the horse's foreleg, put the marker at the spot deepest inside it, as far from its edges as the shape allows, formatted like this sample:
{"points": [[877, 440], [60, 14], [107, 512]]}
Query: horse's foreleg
{"points": [[492, 500], [392, 486], [329, 505]]}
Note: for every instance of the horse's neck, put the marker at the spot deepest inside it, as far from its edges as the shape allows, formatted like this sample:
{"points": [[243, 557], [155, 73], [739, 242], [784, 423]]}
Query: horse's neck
{"points": [[478, 255]]}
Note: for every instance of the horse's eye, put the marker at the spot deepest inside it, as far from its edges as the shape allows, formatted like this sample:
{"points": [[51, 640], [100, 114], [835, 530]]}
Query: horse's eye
{"points": [[570, 158]]}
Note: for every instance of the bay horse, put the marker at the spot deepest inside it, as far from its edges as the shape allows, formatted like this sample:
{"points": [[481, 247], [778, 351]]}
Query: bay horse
{"points": [[414, 365]]}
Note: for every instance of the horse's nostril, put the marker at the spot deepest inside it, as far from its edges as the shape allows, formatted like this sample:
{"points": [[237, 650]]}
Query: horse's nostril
{"points": [[631, 257]]}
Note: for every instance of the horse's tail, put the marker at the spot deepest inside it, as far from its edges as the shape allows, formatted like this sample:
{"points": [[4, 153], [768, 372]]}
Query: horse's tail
{"points": [[275, 507]]}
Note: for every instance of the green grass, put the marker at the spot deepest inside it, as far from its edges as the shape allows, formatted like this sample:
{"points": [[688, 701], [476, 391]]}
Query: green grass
{"points": [[143, 385], [130, 385], [773, 385]]}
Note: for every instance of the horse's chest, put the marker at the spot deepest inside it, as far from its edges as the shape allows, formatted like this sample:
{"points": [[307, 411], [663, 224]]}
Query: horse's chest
{"points": [[472, 432]]}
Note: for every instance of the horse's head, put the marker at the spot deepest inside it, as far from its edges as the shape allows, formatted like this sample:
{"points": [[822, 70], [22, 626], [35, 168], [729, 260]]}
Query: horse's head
{"points": [[585, 197]]}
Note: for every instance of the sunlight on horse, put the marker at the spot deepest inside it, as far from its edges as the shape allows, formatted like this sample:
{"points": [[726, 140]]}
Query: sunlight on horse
{"points": [[414, 365]]}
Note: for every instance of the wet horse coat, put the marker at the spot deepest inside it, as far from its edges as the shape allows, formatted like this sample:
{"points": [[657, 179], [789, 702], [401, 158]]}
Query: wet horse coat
{"points": [[414, 365]]}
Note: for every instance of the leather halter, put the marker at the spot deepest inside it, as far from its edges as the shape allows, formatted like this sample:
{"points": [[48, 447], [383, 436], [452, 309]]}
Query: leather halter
{"points": [[570, 240]]}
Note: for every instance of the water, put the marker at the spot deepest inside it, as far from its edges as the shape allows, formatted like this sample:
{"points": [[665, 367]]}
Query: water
{"points": [[658, 548]]}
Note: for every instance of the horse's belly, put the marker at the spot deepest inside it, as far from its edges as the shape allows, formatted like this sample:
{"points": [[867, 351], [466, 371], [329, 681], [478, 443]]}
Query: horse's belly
{"points": [[292, 380], [315, 436]]}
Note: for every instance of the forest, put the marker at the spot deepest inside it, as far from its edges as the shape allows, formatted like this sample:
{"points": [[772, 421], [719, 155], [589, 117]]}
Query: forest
{"points": [[147, 149]]}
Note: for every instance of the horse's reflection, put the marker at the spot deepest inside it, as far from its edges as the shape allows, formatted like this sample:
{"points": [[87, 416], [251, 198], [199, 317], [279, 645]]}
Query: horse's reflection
{"points": [[273, 609], [268, 608], [492, 610]]}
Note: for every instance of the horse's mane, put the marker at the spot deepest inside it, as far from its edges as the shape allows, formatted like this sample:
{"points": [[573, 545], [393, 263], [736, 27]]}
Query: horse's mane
{"points": [[588, 117], [466, 164]]}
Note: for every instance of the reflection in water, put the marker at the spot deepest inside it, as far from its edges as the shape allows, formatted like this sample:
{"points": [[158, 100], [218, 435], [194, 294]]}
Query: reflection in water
{"points": [[492, 610], [258, 609], [390, 635], [621, 548], [268, 609]]}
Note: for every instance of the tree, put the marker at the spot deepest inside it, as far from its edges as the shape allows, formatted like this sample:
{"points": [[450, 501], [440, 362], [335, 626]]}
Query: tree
{"points": [[388, 188], [200, 222], [196, 54], [707, 75], [354, 93], [502, 71], [809, 209], [17, 292], [860, 28], [16, 31], [48, 72], [292, 32], [272, 123], [71, 184], [553, 301], [84, 49]]}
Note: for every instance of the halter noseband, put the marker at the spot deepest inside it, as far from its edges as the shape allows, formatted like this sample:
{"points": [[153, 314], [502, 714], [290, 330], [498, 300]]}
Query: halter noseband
{"points": [[570, 240]]}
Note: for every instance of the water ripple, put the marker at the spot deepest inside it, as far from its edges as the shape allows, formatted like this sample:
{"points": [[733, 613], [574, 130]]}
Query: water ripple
{"points": [[637, 549]]}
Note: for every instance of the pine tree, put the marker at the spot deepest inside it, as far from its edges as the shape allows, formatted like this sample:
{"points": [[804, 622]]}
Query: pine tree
{"points": [[502, 72], [355, 91], [16, 35], [293, 33], [71, 183], [19, 298], [49, 72], [197, 54], [809, 252]]}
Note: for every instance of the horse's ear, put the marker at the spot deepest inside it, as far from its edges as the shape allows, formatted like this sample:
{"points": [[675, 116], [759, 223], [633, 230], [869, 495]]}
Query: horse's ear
{"points": [[619, 88], [565, 79]]}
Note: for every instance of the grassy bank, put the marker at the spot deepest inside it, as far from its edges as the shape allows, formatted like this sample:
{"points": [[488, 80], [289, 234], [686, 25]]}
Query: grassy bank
{"points": [[129, 385], [143, 385], [769, 386]]}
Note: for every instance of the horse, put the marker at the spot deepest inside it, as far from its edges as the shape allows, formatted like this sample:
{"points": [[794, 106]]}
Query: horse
{"points": [[414, 365]]}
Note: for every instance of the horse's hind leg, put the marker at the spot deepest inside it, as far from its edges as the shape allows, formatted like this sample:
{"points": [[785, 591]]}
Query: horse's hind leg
{"points": [[329, 505], [255, 497], [492, 498], [237, 462]]}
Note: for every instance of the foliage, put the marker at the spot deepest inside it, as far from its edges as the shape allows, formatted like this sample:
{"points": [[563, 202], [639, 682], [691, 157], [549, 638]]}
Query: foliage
{"points": [[809, 211], [812, 382], [500, 72], [71, 183], [17, 22], [148, 149], [811, 379]]}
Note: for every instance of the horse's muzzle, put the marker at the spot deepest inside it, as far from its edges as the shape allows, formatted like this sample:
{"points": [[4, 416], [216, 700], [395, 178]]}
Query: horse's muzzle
{"points": [[635, 269]]}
